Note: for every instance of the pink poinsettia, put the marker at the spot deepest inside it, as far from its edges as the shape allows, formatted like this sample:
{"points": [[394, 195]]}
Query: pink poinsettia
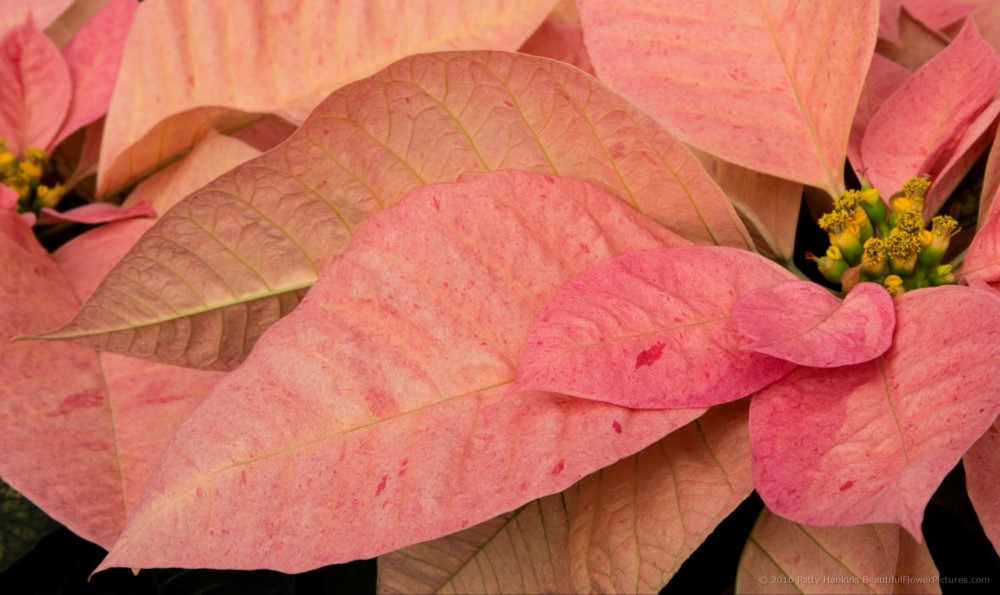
{"points": [[888, 396]]}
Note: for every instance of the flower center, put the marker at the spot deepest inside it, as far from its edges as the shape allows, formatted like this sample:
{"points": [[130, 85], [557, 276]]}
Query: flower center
{"points": [[24, 176], [890, 246]]}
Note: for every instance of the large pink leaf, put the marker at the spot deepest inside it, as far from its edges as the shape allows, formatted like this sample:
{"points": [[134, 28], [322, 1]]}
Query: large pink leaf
{"points": [[804, 323], [768, 206], [35, 88], [380, 409], [234, 257], [93, 57], [52, 409], [190, 55], [768, 85], [871, 442], [653, 329], [884, 77], [634, 523], [982, 476], [523, 551], [80, 432], [917, 128], [785, 557]]}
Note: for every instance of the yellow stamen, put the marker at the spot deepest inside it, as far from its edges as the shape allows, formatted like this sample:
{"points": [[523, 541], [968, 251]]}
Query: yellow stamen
{"points": [[910, 221], [917, 187], [894, 285], [834, 221], [32, 171], [944, 226], [7, 158]]}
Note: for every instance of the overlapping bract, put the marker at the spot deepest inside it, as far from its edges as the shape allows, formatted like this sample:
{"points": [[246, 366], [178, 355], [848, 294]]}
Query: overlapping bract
{"points": [[228, 261]]}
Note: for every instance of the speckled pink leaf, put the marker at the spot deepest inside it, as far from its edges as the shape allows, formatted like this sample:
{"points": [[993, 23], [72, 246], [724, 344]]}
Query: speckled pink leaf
{"points": [[768, 85], [250, 244], [768, 206], [381, 408], [80, 432], [634, 523], [93, 57], [784, 557], [523, 551], [188, 55], [871, 442], [35, 88], [804, 323], [652, 329], [884, 77], [92, 214], [982, 476], [917, 128]]}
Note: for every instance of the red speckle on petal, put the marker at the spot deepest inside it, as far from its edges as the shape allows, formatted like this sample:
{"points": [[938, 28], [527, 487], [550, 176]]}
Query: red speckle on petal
{"points": [[585, 248], [617, 150], [846, 486], [381, 486], [508, 103], [437, 205], [88, 398], [559, 467], [649, 356], [617, 427]]}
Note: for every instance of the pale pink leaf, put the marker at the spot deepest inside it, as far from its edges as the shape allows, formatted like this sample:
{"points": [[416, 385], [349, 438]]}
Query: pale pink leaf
{"points": [[518, 552], [982, 260], [252, 242], [35, 88], [987, 17], [95, 423], [767, 85], [634, 523], [918, 127], [917, 46], [991, 181], [653, 329], [212, 156], [560, 37], [888, 21], [884, 77], [939, 14], [190, 55], [53, 413], [960, 159], [93, 57], [982, 477], [380, 409], [61, 30], [784, 557], [95, 213], [14, 12], [804, 323], [871, 442], [768, 206], [8, 199]]}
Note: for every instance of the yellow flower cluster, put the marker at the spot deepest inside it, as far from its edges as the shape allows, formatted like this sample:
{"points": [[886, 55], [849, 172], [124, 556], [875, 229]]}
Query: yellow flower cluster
{"points": [[24, 176], [869, 242]]}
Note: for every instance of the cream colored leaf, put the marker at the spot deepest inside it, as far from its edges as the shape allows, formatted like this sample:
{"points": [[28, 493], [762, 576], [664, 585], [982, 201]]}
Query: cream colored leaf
{"points": [[273, 56]]}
